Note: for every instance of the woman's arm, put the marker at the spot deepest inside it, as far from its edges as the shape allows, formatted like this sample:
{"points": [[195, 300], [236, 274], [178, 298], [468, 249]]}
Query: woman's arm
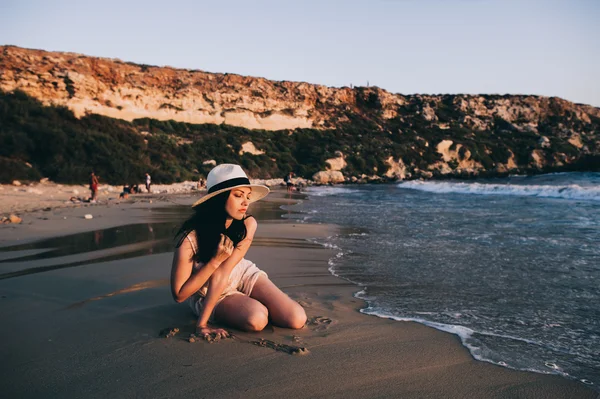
{"points": [[219, 279], [184, 283]]}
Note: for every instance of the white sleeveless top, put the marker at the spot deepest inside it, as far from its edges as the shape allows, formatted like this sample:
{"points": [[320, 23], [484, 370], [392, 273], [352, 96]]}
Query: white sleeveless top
{"points": [[237, 278], [191, 237]]}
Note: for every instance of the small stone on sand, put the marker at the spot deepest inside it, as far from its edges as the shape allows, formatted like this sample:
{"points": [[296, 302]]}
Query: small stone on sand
{"points": [[168, 332], [14, 219]]}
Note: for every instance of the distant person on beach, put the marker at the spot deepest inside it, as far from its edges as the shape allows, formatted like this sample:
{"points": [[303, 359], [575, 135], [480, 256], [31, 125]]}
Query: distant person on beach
{"points": [[200, 183], [209, 270], [93, 186], [126, 191], [148, 182], [288, 181]]}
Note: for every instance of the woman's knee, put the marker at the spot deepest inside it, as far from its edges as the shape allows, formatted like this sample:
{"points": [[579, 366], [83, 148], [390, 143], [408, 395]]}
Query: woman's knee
{"points": [[295, 317], [257, 320], [299, 319]]}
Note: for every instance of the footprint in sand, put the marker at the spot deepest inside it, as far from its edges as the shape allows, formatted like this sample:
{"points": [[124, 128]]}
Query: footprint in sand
{"points": [[289, 349], [321, 323]]}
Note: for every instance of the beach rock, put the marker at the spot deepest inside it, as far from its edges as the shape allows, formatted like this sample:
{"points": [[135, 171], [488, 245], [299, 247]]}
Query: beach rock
{"points": [[329, 176], [337, 163], [88, 216], [16, 183], [44, 180], [14, 219]]}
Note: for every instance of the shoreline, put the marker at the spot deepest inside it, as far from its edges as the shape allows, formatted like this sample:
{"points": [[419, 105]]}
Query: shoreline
{"points": [[36, 196], [364, 356]]}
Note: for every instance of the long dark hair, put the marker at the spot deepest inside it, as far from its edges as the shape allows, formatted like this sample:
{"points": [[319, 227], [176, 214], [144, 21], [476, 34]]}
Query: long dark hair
{"points": [[208, 222]]}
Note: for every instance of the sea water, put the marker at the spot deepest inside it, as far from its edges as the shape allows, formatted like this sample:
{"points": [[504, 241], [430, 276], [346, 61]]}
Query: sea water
{"points": [[510, 265]]}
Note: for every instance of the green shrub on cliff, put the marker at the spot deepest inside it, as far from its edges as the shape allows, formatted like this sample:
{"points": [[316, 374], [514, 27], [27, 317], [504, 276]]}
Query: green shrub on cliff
{"points": [[65, 149]]}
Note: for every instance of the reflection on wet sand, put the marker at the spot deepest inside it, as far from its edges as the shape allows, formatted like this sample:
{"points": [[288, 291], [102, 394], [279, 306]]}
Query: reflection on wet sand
{"points": [[122, 242], [55, 263], [136, 287], [97, 246]]}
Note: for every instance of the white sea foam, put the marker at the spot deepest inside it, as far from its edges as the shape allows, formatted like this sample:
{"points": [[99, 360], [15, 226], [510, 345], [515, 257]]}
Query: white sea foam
{"points": [[464, 333], [571, 191], [332, 261], [323, 191]]}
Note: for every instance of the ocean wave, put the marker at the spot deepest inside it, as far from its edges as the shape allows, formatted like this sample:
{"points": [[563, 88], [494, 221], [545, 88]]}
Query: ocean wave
{"points": [[465, 335], [571, 191], [327, 191]]}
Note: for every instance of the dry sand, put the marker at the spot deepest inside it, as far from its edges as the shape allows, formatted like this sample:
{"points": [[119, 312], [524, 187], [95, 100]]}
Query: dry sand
{"points": [[93, 330], [25, 197]]}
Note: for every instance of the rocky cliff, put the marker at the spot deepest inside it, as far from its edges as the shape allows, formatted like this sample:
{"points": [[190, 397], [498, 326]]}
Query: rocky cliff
{"points": [[454, 134]]}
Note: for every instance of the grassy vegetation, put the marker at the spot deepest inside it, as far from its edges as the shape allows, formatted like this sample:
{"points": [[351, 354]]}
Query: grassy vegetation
{"points": [[65, 149]]}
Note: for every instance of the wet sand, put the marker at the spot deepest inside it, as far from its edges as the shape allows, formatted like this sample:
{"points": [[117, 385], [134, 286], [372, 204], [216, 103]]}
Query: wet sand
{"points": [[85, 320]]}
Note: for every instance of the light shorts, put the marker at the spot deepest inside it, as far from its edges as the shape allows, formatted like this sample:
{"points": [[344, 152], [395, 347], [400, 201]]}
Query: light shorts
{"points": [[242, 279]]}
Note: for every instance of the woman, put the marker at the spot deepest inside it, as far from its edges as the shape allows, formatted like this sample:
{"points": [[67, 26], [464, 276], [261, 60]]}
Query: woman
{"points": [[209, 270]]}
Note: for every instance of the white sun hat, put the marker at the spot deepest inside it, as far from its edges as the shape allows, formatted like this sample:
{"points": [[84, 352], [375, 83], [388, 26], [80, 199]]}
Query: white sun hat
{"points": [[228, 176]]}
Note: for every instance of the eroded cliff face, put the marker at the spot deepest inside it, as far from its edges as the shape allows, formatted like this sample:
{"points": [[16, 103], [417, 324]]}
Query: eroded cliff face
{"points": [[462, 131], [129, 91]]}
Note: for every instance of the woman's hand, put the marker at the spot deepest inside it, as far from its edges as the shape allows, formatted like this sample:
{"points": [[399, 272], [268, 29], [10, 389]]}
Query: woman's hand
{"points": [[211, 334], [224, 249]]}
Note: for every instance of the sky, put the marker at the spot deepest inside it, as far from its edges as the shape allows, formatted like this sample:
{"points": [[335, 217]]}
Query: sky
{"points": [[549, 48]]}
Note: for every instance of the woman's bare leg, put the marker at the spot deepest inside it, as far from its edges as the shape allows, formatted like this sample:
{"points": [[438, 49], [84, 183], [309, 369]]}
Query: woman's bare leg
{"points": [[283, 310], [242, 312]]}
